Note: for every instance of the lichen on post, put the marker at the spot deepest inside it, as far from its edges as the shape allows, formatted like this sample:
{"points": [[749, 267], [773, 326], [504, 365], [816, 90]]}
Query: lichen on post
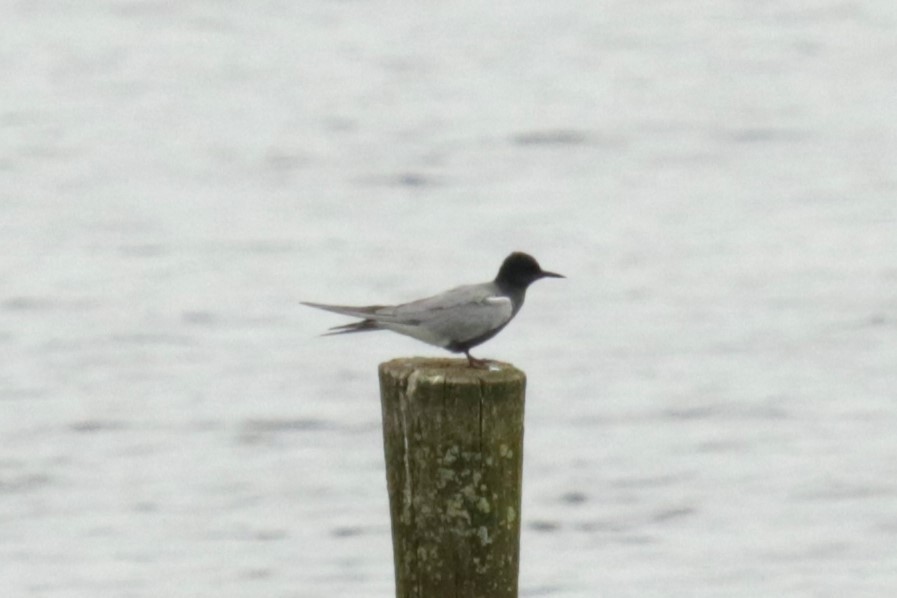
{"points": [[453, 438]]}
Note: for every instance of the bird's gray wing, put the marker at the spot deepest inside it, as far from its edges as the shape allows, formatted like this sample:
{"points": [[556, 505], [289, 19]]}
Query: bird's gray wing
{"points": [[414, 311], [455, 316]]}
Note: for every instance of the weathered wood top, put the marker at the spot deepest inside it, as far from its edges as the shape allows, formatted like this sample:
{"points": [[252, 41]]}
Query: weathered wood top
{"points": [[456, 371]]}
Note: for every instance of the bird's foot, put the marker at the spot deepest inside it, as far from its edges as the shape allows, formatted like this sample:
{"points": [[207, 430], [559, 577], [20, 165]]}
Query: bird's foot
{"points": [[473, 362]]}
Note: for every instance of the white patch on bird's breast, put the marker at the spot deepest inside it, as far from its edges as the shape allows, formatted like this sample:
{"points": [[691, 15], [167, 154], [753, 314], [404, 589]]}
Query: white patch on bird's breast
{"points": [[498, 301], [499, 316]]}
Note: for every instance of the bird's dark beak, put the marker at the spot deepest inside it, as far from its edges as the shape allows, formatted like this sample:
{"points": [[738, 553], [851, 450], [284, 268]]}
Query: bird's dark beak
{"points": [[551, 275]]}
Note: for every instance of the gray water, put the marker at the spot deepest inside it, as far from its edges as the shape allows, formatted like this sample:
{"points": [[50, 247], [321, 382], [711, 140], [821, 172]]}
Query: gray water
{"points": [[711, 402]]}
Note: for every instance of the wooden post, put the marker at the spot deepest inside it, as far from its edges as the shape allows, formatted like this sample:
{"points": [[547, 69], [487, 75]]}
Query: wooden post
{"points": [[453, 437]]}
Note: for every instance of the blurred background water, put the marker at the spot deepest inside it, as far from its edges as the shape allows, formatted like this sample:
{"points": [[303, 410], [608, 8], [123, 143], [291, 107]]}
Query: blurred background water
{"points": [[711, 400]]}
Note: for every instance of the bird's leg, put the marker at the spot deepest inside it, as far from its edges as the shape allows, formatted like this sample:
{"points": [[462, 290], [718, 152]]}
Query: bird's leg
{"points": [[474, 362]]}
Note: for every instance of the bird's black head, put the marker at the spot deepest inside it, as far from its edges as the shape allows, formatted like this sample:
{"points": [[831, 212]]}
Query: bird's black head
{"points": [[519, 270]]}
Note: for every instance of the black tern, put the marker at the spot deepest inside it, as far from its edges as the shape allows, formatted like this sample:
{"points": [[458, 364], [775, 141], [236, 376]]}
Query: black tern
{"points": [[458, 319]]}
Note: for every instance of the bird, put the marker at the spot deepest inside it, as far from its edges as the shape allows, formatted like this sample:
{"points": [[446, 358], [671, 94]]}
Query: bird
{"points": [[457, 319]]}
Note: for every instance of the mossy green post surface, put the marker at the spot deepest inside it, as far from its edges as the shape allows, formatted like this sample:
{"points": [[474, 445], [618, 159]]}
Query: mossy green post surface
{"points": [[453, 438]]}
